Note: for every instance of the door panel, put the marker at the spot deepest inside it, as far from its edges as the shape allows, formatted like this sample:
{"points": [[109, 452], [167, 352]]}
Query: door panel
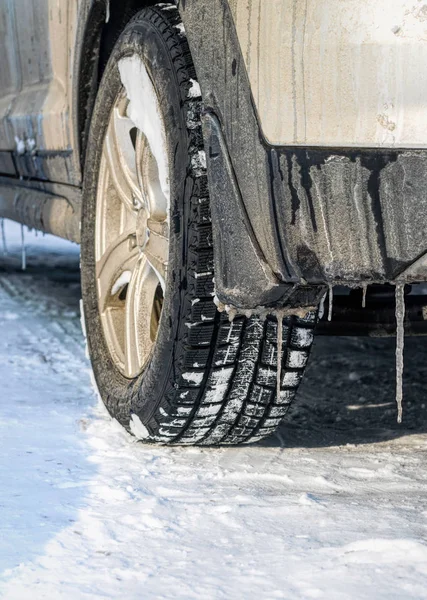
{"points": [[10, 81], [37, 40]]}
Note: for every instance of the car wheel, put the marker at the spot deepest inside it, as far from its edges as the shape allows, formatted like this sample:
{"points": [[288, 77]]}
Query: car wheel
{"points": [[169, 367]]}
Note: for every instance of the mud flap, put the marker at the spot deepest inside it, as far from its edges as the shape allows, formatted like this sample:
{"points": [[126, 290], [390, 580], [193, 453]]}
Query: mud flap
{"points": [[236, 248]]}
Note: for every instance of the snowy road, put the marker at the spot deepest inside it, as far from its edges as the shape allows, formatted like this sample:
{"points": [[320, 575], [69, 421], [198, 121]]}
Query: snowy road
{"points": [[334, 507]]}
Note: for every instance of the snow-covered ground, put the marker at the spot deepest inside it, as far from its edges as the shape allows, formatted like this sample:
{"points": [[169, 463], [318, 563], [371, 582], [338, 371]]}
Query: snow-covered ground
{"points": [[334, 507]]}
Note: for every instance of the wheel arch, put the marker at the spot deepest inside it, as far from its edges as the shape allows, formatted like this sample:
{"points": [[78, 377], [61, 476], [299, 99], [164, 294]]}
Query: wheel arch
{"points": [[100, 24]]}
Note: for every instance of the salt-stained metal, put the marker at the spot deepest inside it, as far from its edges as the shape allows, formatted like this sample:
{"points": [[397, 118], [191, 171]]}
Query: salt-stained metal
{"points": [[334, 73]]}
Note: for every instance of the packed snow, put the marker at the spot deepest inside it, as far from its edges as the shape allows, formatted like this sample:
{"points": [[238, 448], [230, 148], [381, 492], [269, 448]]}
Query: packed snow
{"points": [[333, 507], [144, 111]]}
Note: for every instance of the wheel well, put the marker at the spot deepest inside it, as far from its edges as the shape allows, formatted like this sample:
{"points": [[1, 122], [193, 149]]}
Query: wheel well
{"points": [[96, 43]]}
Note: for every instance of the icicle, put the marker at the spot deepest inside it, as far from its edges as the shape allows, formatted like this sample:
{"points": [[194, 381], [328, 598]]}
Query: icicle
{"points": [[331, 301], [279, 353], [365, 289], [322, 307], [107, 10], [23, 252], [400, 341], [3, 237]]}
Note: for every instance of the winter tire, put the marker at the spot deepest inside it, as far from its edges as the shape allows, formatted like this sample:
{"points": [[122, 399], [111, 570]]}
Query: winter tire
{"points": [[169, 367]]}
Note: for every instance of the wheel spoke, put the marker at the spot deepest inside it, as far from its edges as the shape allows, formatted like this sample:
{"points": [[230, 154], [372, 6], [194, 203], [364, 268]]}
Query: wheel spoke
{"points": [[140, 300], [121, 158], [157, 249], [149, 180], [120, 257]]}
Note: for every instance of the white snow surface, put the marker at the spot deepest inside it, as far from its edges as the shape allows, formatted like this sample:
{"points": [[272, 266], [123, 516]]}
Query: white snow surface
{"points": [[334, 507], [144, 111], [195, 91], [20, 145], [121, 281], [193, 377], [138, 428]]}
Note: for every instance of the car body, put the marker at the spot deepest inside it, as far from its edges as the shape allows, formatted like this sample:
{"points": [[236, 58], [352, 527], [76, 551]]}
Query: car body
{"points": [[315, 118], [314, 132], [316, 111]]}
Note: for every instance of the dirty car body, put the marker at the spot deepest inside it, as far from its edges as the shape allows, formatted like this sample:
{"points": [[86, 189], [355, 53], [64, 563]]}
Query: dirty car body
{"points": [[315, 126]]}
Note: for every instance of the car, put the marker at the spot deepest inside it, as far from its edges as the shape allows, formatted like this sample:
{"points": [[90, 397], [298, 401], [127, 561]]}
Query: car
{"points": [[230, 169]]}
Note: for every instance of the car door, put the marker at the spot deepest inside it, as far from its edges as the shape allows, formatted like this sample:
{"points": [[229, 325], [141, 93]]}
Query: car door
{"points": [[36, 54]]}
